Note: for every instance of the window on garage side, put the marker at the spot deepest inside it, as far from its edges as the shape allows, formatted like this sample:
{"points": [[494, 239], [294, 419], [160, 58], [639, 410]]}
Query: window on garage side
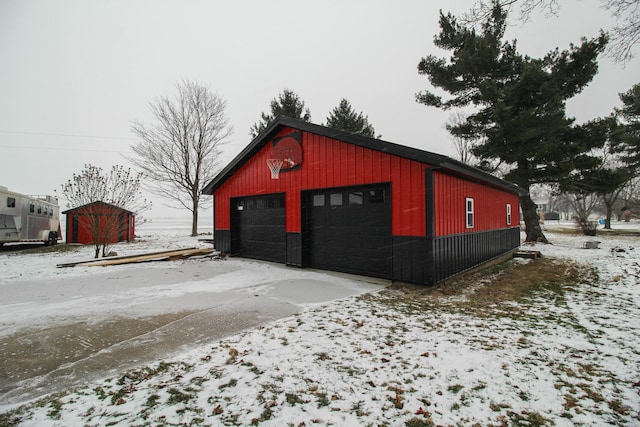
{"points": [[469, 212], [355, 198], [11, 202], [508, 213]]}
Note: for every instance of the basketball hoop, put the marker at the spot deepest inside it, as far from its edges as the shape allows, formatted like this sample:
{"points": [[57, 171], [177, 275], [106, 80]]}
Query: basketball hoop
{"points": [[274, 167]]}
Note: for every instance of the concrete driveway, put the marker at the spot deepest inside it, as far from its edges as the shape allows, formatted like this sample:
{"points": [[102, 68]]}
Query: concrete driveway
{"points": [[66, 331]]}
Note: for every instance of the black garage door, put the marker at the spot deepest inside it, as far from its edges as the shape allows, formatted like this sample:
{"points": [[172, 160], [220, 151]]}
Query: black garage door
{"points": [[349, 230], [258, 227]]}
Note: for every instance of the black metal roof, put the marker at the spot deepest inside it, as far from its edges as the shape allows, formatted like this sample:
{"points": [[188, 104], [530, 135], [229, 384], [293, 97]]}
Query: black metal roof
{"points": [[98, 202], [436, 160]]}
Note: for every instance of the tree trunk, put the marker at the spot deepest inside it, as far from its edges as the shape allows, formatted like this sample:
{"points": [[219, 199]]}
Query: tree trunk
{"points": [[607, 220], [194, 221], [531, 220]]}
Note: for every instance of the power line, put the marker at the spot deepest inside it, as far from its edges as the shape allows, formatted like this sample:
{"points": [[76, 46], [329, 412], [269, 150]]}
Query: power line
{"points": [[67, 135], [61, 149]]}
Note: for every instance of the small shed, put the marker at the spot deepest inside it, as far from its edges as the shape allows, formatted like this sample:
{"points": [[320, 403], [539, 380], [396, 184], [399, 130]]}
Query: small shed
{"points": [[105, 219], [350, 203]]}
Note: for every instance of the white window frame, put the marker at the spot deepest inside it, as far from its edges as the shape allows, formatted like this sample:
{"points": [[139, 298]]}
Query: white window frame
{"points": [[508, 213], [469, 212]]}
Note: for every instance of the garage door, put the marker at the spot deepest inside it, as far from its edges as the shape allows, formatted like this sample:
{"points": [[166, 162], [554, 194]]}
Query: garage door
{"points": [[349, 230], [258, 227]]}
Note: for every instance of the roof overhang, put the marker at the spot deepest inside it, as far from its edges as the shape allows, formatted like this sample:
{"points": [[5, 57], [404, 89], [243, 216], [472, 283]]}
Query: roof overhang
{"points": [[438, 161]]}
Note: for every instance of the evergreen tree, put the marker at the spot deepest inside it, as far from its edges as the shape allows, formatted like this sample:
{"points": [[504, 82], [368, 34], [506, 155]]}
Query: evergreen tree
{"points": [[520, 102], [627, 136], [343, 117], [288, 104]]}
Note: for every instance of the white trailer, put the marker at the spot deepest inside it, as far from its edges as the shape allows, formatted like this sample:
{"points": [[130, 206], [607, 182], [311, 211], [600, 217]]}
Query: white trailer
{"points": [[28, 218]]}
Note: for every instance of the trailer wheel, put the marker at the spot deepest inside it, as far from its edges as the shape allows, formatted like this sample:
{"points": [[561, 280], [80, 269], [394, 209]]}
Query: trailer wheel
{"points": [[52, 240]]}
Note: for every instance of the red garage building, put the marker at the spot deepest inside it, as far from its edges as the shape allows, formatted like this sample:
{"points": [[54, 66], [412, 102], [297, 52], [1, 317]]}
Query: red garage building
{"points": [[102, 219], [349, 203]]}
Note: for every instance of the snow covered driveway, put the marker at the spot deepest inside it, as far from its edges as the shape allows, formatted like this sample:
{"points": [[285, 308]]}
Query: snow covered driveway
{"points": [[60, 328]]}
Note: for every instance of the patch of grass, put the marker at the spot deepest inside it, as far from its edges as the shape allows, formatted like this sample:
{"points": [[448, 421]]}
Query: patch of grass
{"points": [[323, 399], [264, 416], [232, 383], [455, 388], [419, 422], [523, 395], [177, 396], [102, 395], [482, 292], [570, 402], [12, 418], [139, 375], [117, 398], [590, 392], [479, 386], [323, 356], [529, 419], [497, 407], [293, 399], [252, 368], [357, 409], [152, 401], [618, 407], [55, 408]]}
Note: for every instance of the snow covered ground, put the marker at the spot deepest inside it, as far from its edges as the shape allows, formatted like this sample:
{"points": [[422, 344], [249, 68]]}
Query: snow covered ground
{"points": [[568, 355]]}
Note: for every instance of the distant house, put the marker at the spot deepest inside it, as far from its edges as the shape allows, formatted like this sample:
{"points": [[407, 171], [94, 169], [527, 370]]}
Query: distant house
{"points": [[84, 221], [350, 203]]}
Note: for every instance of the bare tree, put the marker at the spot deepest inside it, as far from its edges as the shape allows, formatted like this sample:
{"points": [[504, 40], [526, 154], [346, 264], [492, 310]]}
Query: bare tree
{"points": [[624, 36], [629, 199], [179, 151], [463, 145], [99, 198], [617, 175], [582, 204]]}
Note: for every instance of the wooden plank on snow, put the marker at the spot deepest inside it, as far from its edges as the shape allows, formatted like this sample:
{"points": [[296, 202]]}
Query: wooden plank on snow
{"points": [[179, 254], [122, 257]]}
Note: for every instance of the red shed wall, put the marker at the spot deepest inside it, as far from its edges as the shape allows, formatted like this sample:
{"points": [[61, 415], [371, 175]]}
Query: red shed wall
{"points": [[330, 163], [489, 206], [125, 229]]}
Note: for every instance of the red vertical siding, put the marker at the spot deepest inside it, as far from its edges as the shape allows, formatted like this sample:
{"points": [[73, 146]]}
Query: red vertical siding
{"points": [[489, 206], [125, 221], [330, 163]]}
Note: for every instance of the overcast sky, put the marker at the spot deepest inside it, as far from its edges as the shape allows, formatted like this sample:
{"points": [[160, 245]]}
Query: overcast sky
{"points": [[74, 74]]}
